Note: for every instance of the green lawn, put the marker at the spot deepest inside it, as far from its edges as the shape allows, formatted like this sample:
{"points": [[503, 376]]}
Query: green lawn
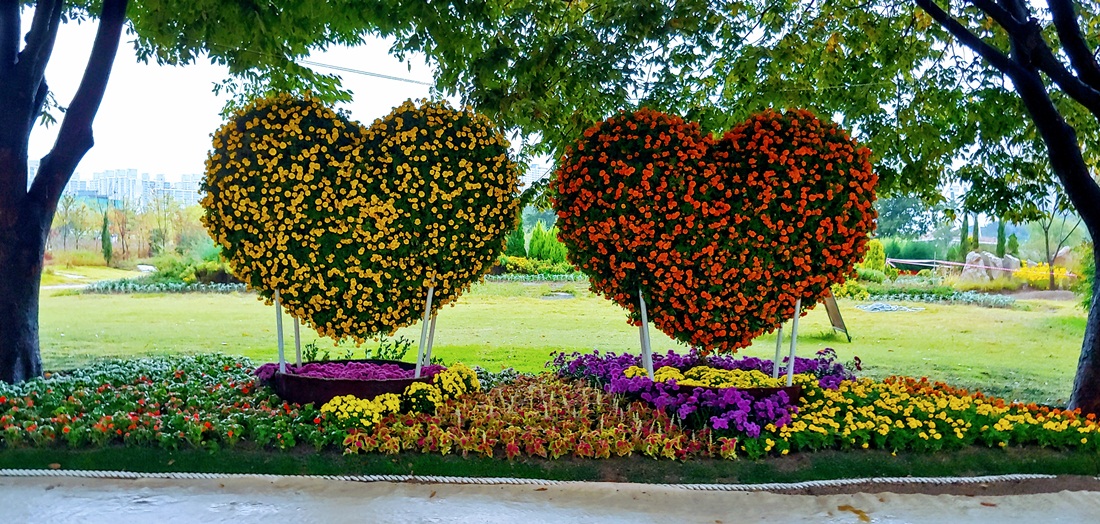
{"points": [[63, 275], [1028, 353]]}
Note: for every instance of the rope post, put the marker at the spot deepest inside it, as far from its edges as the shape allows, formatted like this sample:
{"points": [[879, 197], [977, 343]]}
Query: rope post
{"points": [[778, 350], [647, 352], [297, 343], [431, 339], [794, 340], [279, 330], [424, 330]]}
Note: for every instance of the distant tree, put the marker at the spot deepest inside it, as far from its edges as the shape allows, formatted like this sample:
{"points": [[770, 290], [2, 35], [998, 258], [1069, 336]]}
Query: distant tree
{"points": [[123, 222], [83, 222], [63, 219], [105, 240], [1056, 209], [1001, 238], [964, 239], [976, 240], [903, 216]]}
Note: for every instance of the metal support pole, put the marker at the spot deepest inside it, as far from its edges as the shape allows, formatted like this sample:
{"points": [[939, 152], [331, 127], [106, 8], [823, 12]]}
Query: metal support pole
{"points": [[424, 331], [647, 352], [279, 330], [297, 343], [778, 350], [431, 339], [794, 340]]}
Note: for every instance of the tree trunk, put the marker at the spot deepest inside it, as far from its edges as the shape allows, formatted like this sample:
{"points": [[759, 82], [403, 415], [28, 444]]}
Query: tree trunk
{"points": [[21, 249], [1086, 385]]}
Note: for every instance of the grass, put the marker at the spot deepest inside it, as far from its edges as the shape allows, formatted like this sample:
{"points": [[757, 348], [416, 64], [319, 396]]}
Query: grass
{"points": [[822, 465], [1029, 353], [55, 275]]}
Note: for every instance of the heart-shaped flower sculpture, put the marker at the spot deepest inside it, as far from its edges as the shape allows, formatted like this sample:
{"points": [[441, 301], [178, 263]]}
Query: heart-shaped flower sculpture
{"points": [[720, 236], [353, 225]]}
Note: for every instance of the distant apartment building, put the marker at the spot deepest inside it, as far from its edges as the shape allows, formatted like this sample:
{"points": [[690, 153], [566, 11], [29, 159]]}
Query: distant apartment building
{"points": [[124, 187], [535, 173]]}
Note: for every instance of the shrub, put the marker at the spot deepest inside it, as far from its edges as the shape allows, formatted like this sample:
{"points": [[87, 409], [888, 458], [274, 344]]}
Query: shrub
{"points": [[1083, 287], [78, 257], [850, 289], [546, 246], [532, 266], [870, 275], [1038, 276], [517, 243], [989, 286], [911, 250], [875, 259], [1012, 247]]}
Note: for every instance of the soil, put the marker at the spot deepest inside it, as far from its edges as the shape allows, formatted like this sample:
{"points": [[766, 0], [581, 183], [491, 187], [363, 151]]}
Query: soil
{"points": [[1043, 295]]}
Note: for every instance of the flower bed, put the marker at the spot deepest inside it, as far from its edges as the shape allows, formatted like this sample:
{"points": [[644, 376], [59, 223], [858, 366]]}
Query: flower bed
{"points": [[969, 298], [143, 285], [215, 401]]}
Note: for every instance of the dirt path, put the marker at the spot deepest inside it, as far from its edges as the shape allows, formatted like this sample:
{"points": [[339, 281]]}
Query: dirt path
{"points": [[283, 499]]}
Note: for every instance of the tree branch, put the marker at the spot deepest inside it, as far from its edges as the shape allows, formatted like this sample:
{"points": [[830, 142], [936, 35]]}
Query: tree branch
{"points": [[74, 139], [999, 14], [994, 56], [40, 40], [10, 29], [1073, 42]]}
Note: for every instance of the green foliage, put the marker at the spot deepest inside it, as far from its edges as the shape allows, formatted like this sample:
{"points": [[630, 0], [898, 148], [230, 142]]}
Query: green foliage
{"points": [[875, 258], [1084, 284], [105, 240], [390, 348], [975, 241], [534, 266], [175, 269], [870, 275], [850, 289], [903, 216], [909, 250], [952, 253], [1001, 240], [546, 246], [964, 238], [516, 246], [1012, 247]]}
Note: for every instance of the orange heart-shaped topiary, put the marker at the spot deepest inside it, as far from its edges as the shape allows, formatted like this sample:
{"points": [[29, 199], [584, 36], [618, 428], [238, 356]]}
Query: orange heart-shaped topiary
{"points": [[720, 236]]}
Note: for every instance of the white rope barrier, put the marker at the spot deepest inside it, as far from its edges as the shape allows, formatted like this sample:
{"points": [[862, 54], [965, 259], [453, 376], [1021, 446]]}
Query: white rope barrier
{"points": [[433, 479]]}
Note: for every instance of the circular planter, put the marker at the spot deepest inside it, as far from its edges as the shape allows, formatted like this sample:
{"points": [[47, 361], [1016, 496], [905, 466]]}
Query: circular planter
{"points": [[303, 389]]}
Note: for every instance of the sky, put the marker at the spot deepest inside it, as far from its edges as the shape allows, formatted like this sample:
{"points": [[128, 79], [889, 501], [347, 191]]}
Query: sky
{"points": [[158, 119]]}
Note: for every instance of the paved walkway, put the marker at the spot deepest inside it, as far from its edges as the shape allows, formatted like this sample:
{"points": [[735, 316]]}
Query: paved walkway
{"points": [[241, 501]]}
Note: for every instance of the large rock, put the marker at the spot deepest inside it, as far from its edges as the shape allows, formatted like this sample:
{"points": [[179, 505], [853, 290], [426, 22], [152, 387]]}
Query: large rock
{"points": [[975, 270], [1011, 262], [994, 265]]}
